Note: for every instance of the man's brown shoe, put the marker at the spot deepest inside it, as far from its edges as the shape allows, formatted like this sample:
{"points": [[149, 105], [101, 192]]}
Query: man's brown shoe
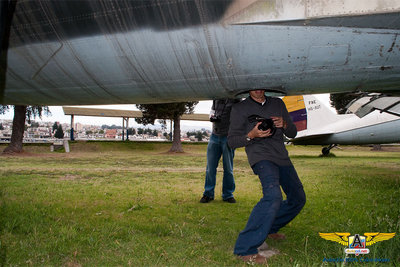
{"points": [[254, 258], [277, 236]]}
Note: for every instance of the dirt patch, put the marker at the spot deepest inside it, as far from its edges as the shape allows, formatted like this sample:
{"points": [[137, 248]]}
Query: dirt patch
{"points": [[16, 154], [70, 177], [72, 263], [185, 153], [135, 169], [173, 153], [387, 149], [34, 155]]}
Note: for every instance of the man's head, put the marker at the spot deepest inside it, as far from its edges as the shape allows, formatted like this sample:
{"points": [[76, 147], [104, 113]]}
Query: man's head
{"points": [[257, 95]]}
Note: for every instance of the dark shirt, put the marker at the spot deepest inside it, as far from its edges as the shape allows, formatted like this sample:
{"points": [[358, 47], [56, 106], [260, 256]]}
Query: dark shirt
{"points": [[270, 148], [222, 109]]}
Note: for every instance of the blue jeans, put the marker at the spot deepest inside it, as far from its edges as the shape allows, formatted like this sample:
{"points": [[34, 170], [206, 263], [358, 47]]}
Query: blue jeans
{"points": [[217, 147], [271, 213]]}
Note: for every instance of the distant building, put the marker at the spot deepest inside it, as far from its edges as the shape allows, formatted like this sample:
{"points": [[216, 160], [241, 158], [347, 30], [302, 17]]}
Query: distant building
{"points": [[111, 133], [78, 127]]}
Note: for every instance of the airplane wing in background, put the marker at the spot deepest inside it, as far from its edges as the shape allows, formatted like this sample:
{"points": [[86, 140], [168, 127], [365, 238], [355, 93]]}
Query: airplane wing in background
{"points": [[367, 104], [323, 127], [315, 139]]}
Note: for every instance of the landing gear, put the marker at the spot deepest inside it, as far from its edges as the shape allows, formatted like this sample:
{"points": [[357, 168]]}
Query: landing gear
{"points": [[326, 150]]}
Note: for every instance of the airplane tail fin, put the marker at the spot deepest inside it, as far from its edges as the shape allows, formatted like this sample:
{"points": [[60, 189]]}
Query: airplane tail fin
{"points": [[309, 114], [297, 110]]}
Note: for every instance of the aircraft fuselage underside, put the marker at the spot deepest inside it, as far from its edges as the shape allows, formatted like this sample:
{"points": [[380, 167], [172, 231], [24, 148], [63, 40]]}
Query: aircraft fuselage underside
{"points": [[112, 63]]}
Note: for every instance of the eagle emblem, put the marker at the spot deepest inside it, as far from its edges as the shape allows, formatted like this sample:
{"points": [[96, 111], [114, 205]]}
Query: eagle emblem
{"points": [[357, 244]]}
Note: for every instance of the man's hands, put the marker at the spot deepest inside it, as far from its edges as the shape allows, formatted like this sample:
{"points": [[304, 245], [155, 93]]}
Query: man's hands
{"points": [[279, 122], [255, 132]]}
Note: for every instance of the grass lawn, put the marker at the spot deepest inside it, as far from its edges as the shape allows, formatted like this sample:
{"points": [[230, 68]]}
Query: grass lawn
{"points": [[133, 204]]}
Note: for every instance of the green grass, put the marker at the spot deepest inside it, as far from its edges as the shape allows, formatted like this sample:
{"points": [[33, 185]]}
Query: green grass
{"points": [[133, 204]]}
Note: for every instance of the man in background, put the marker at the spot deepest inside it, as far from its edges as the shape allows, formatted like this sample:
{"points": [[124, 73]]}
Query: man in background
{"points": [[217, 147]]}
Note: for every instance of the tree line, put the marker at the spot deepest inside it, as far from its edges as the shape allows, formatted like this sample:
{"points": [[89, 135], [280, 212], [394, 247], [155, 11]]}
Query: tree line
{"points": [[197, 134]]}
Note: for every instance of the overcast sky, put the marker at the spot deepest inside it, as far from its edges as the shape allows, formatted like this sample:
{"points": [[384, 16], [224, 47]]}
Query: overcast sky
{"points": [[202, 107]]}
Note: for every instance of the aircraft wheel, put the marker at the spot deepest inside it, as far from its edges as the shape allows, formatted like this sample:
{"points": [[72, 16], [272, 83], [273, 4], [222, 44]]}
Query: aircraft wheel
{"points": [[325, 151]]}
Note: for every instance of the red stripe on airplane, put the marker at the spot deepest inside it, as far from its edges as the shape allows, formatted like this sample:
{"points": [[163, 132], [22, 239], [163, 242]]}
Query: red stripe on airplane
{"points": [[301, 125]]}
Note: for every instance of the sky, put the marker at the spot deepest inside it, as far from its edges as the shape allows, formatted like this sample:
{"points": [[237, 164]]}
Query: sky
{"points": [[202, 107]]}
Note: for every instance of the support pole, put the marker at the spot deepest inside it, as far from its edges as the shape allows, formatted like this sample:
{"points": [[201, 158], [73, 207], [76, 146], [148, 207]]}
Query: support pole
{"points": [[72, 128], [123, 128], [127, 129], [171, 131]]}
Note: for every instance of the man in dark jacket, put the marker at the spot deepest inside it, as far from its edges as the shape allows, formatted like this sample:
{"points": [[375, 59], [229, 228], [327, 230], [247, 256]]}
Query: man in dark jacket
{"points": [[217, 148], [269, 160]]}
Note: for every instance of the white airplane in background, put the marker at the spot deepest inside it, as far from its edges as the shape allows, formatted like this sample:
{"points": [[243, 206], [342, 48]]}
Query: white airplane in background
{"points": [[85, 52], [318, 125]]}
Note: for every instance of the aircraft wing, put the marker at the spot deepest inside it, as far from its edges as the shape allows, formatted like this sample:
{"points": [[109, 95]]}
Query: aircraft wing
{"points": [[317, 139], [367, 104], [83, 52]]}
